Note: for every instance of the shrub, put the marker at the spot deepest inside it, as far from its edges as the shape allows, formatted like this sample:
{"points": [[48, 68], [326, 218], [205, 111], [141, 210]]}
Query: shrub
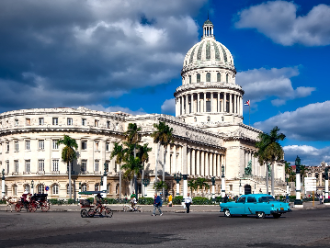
{"points": [[201, 201], [146, 201], [177, 200], [61, 201], [71, 201], [53, 201], [110, 201]]}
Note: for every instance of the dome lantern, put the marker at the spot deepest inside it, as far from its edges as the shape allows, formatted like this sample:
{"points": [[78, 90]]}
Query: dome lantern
{"points": [[207, 29]]}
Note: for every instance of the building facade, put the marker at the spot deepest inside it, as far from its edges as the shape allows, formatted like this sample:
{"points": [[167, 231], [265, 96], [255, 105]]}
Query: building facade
{"points": [[208, 133]]}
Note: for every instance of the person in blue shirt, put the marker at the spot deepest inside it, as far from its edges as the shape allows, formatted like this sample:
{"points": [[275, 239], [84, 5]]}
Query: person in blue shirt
{"points": [[157, 205]]}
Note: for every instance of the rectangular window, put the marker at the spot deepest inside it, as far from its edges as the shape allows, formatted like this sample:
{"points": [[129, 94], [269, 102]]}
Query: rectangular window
{"points": [[16, 166], [16, 122], [84, 145], [7, 163], [189, 108], [27, 165], [41, 144], [16, 146], [227, 107], [55, 121], [70, 121], [27, 145], [96, 168], [83, 122], [55, 164], [28, 121], [41, 165], [55, 145], [7, 146], [107, 146], [108, 124], [96, 123], [83, 165], [41, 121], [208, 106], [96, 145]]}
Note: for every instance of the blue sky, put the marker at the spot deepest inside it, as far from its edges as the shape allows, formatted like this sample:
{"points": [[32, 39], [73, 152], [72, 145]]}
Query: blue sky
{"points": [[121, 55]]}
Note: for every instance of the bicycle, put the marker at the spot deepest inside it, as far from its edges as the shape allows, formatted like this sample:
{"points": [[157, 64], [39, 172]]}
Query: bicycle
{"points": [[104, 209], [128, 208]]}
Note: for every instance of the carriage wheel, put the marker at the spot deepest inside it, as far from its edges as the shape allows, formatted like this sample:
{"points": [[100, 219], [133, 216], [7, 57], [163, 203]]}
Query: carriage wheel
{"points": [[45, 207], [32, 207], [91, 213], [108, 212], [18, 207], [83, 213]]}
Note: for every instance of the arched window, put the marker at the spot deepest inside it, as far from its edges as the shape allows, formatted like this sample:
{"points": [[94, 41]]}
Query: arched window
{"points": [[208, 77], [14, 189], [108, 188], [198, 78], [84, 187], [190, 79], [27, 188], [97, 187], [218, 77], [67, 189], [55, 189], [226, 78], [40, 188]]}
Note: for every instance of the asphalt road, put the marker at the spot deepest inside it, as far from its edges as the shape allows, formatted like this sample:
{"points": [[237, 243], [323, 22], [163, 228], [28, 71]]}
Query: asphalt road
{"points": [[303, 228]]}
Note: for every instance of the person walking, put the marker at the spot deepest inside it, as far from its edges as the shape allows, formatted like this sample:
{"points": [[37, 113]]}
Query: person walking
{"points": [[157, 205], [225, 199], [321, 199], [188, 201], [170, 201]]}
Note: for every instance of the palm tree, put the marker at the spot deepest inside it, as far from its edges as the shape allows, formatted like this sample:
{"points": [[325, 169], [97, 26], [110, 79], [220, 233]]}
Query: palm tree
{"points": [[192, 185], [119, 152], [133, 137], [163, 136], [160, 185], [143, 154], [303, 172], [272, 150], [201, 183], [68, 155], [261, 145]]}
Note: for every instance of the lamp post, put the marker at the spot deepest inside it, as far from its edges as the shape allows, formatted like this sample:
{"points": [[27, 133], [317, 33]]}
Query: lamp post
{"points": [[326, 186], [240, 187], [287, 187], [223, 182], [145, 182], [298, 202], [213, 188], [105, 178], [177, 178], [3, 183], [32, 190]]}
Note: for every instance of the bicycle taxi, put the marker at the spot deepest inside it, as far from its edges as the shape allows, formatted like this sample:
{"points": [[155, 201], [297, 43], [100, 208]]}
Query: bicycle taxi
{"points": [[88, 210]]}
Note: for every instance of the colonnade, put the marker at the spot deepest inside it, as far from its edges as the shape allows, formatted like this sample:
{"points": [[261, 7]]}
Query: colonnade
{"points": [[202, 102], [208, 31]]}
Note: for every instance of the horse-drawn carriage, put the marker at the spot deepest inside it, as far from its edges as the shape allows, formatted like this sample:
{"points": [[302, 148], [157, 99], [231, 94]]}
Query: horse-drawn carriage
{"points": [[89, 210], [31, 203]]}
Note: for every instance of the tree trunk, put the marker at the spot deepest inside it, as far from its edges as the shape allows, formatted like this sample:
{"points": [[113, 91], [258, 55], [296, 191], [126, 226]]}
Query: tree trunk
{"points": [[142, 185], [272, 183], [135, 179], [119, 184], [157, 158], [164, 166], [70, 191], [266, 178]]}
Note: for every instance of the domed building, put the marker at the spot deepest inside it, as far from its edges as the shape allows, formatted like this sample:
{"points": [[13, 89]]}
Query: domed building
{"points": [[210, 139]]}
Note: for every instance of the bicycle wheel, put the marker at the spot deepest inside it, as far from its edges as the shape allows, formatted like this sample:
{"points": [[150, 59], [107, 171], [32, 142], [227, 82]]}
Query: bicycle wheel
{"points": [[139, 209], [18, 207], [125, 208], [91, 213], [108, 212], [84, 213]]}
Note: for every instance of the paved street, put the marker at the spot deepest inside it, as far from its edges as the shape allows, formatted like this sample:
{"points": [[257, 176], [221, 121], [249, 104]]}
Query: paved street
{"points": [[303, 228]]}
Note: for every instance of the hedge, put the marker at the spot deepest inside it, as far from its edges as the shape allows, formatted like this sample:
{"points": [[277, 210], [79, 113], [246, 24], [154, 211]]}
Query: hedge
{"points": [[177, 200]]}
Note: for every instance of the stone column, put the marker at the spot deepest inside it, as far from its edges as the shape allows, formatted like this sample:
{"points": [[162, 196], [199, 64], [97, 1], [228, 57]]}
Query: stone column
{"points": [[174, 159], [206, 164], [188, 161], [193, 162], [202, 163], [184, 159], [214, 164], [182, 108], [198, 169], [198, 102], [211, 164], [218, 103], [219, 165], [212, 107], [230, 103], [234, 95], [224, 102], [204, 103]]}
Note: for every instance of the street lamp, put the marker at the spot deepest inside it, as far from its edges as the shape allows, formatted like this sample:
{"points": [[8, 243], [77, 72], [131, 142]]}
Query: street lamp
{"points": [[298, 202], [145, 182], [3, 183], [326, 189], [101, 182], [223, 186], [177, 178], [213, 186], [32, 191]]}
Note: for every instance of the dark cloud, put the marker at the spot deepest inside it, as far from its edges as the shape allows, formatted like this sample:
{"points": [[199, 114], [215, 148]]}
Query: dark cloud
{"points": [[70, 52], [309, 155]]}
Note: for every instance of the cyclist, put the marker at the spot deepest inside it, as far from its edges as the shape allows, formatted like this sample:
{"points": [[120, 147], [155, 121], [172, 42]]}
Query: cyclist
{"points": [[133, 202], [98, 202]]}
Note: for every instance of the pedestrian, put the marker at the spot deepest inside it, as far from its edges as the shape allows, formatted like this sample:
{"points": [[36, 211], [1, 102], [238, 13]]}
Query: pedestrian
{"points": [[188, 201], [287, 199], [157, 205], [260, 191], [170, 201], [225, 199], [321, 199]]}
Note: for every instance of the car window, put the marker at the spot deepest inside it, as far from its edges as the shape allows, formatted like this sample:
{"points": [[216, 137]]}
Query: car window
{"points": [[251, 199], [266, 199], [241, 199]]}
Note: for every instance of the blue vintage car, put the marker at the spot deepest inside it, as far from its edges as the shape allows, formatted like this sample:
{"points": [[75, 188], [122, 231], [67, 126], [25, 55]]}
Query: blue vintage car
{"points": [[255, 204]]}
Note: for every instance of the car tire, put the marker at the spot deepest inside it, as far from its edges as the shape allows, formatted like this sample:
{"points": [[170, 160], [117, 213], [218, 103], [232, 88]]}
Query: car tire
{"points": [[260, 215], [227, 213], [276, 216]]}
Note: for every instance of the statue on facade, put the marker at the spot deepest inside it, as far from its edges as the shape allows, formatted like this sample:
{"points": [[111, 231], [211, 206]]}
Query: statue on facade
{"points": [[3, 174], [248, 169]]}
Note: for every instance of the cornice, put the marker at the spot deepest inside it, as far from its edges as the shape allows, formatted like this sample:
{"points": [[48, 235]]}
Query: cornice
{"points": [[219, 65]]}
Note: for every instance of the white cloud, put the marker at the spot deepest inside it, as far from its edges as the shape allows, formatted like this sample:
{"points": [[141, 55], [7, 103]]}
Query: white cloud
{"points": [[308, 154], [260, 84], [310, 122], [278, 20], [168, 106]]}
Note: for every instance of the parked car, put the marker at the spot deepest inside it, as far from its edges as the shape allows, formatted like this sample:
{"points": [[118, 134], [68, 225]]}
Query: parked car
{"points": [[255, 204]]}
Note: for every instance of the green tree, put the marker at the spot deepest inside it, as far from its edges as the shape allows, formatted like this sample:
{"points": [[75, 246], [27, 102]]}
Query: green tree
{"points": [[202, 183], [272, 149], [192, 185], [68, 155], [260, 154], [160, 185], [163, 136], [119, 152], [143, 154]]}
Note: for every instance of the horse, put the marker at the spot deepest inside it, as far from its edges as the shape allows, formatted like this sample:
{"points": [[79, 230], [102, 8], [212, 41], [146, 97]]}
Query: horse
{"points": [[9, 202]]}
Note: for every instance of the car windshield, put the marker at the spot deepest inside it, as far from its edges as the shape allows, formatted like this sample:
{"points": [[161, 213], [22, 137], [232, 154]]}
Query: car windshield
{"points": [[266, 199]]}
